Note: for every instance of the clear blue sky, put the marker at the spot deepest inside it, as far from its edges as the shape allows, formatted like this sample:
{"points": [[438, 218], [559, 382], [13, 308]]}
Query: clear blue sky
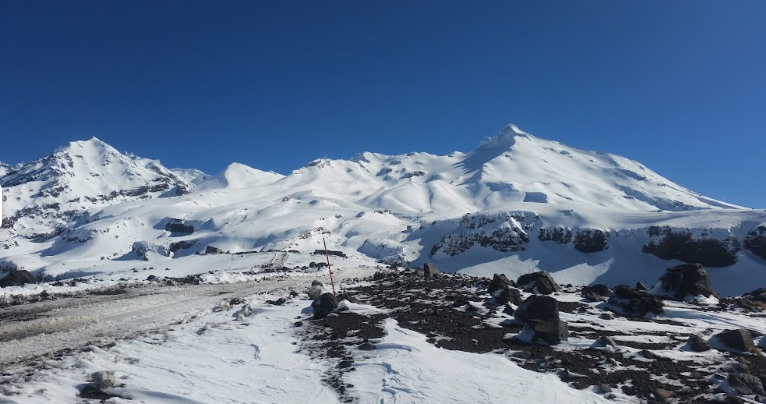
{"points": [[677, 85]]}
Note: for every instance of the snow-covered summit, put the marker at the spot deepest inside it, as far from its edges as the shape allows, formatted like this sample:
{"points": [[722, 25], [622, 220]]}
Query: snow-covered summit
{"points": [[516, 203]]}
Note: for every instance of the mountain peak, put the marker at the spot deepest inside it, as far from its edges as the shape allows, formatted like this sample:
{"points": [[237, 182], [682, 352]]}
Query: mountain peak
{"points": [[505, 138]]}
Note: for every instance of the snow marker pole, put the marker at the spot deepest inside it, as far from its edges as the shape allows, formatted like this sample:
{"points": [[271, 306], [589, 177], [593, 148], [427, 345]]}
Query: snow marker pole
{"points": [[327, 255]]}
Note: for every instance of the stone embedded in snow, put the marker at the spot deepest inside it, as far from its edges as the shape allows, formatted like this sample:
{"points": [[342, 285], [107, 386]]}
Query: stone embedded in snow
{"points": [[631, 302], [684, 280], [17, 277], [103, 379], [596, 293], [499, 282], [541, 315], [697, 344], [538, 282], [738, 341], [603, 342], [324, 305], [745, 384]]}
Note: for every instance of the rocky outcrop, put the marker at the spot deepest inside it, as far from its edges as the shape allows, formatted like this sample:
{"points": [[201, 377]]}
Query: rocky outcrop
{"points": [[557, 234], [17, 278], [755, 241], [590, 240], [634, 303], [540, 314], [499, 282], [684, 280], [673, 243], [538, 282]]}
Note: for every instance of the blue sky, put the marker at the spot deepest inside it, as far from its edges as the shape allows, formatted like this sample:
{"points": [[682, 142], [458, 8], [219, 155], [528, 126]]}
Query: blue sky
{"points": [[678, 85]]}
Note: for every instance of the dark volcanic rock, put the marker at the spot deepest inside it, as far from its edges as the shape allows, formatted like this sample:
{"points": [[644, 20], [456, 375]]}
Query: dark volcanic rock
{"points": [[499, 282], [641, 286], [541, 281], [509, 295], [597, 292], [744, 383], [17, 278], [738, 341], [634, 303], [430, 271], [697, 343], [324, 305], [755, 241], [674, 243], [541, 314], [590, 241], [684, 280]]}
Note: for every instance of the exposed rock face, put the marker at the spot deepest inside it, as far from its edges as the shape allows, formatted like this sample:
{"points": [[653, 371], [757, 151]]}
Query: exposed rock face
{"points": [[633, 302], [503, 232], [17, 278], [538, 282], [590, 241], [541, 315], [673, 243], [557, 234], [755, 242], [684, 280], [595, 293], [738, 341], [178, 227]]}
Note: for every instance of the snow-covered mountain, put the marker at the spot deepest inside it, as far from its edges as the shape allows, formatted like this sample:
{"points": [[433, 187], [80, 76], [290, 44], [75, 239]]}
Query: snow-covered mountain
{"points": [[515, 204]]}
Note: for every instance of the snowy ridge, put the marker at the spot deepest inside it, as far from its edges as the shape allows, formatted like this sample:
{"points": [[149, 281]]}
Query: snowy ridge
{"points": [[516, 204]]}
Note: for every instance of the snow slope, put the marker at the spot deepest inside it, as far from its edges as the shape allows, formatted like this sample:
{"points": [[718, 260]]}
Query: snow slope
{"points": [[88, 208]]}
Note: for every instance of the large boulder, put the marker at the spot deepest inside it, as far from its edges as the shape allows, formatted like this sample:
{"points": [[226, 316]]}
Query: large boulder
{"points": [[684, 280], [430, 271], [737, 341], [324, 305], [499, 282], [635, 303], [596, 293], [17, 278], [538, 282], [745, 383], [541, 316]]}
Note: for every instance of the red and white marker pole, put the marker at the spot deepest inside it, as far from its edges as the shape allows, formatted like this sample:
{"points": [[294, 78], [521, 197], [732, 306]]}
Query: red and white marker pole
{"points": [[327, 255]]}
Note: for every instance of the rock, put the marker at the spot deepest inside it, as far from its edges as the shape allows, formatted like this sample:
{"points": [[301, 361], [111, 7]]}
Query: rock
{"points": [[641, 286], [541, 315], [662, 394], [685, 280], [277, 302], [17, 277], [633, 302], [538, 282], [103, 379], [606, 316], [738, 341], [746, 384], [324, 305], [596, 293], [315, 290], [604, 388], [755, 241], [378, 275], [367, 346], [298, 324], [430, 271], [697, 343], [603, 342], [499, 282], [509, 295]]}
